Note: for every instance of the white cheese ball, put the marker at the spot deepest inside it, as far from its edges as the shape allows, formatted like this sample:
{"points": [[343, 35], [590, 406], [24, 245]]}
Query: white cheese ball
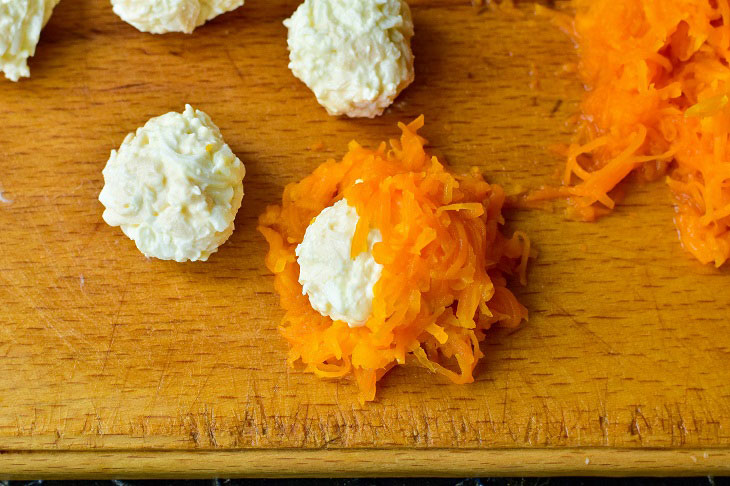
{"points": [[174, 187], [162, 16], [337, 285], [355, 55], [21, 22]]}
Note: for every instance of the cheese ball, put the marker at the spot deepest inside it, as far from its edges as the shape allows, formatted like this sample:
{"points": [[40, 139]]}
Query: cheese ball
{"points": [[337, 285], [355, 55], [162, 16], [21, 22], [174, 187]]}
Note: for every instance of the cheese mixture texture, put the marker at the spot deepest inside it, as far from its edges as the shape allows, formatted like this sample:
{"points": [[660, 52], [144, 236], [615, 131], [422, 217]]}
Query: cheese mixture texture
{"points": [[355, 55], [174, 187], [21, 22], [162, 16], [338, 286]]}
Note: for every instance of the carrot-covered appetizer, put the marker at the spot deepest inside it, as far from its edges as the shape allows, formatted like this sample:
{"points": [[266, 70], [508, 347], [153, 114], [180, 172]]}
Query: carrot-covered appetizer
{"points": [[657, 104], [385, 258]]}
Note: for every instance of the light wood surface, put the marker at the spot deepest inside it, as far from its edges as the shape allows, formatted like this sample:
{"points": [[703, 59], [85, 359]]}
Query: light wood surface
{"points": [[110, 362], [367, 463]]}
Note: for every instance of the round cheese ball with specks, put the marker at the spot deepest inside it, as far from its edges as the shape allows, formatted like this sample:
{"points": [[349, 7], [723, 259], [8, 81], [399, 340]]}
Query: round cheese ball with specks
{"points": [[338, 285], [162, 16], [355, 55], [174, 187], [21, 22]]}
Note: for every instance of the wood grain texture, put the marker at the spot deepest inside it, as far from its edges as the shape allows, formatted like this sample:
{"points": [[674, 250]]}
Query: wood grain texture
{"points": [[103, 350], [367, 463]]}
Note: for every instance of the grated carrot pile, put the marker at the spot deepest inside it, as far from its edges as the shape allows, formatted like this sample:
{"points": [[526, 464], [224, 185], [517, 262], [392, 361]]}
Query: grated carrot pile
{"points": [[656, 105], [444, 261]]}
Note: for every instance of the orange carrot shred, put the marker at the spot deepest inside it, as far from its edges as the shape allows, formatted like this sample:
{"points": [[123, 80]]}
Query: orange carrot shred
{"points": [[444, 263], [657, 103]]}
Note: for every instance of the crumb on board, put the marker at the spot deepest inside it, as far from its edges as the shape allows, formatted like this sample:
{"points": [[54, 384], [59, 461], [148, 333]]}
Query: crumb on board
{"points": [[317, 146], [3, 199], [534, 77], [569, 68]]}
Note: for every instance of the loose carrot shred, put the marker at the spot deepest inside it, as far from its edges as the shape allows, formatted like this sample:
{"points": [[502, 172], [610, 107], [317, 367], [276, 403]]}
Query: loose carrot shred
{"points": [[657, 105], [444, 258]]}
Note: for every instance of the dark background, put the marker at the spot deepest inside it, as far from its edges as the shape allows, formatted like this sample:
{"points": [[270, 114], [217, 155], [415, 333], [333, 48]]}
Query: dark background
{"points": [[703, 481]]}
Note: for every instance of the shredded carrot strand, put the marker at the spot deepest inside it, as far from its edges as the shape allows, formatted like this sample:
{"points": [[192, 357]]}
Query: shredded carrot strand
{"points": [[658, 103], [444, 264]]}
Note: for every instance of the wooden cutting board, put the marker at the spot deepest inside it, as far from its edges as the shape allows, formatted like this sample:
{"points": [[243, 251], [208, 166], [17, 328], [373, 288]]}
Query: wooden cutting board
{"points": [[115, 365]]}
